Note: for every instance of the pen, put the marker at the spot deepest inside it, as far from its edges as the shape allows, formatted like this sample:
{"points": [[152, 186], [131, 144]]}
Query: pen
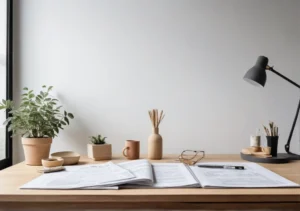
{"points": [[222, 167]]}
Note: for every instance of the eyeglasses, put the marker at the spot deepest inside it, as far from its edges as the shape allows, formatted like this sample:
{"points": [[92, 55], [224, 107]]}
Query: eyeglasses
{"points": [[191, 157]]}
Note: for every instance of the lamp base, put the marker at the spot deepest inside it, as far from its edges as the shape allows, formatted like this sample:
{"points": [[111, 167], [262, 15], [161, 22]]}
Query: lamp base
{"points": [[290, 156], [280, 158]]}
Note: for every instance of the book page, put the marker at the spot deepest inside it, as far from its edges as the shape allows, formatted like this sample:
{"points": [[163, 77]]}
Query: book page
{"points": [[167, 175], [141, 169], [254, 176], [77, 177]]}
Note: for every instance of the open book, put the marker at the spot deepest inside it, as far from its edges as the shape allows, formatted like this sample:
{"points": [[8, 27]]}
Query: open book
{"points": [[178, 175], [143, 174]]}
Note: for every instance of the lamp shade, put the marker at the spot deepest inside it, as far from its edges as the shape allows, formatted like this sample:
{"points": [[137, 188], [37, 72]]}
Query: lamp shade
{"points": [[257, 74]]}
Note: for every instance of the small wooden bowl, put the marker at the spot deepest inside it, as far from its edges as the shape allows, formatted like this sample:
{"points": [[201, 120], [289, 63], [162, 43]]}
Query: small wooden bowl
{"points": [[266, 150], [53, 162], [70, 158], [256, 149]]}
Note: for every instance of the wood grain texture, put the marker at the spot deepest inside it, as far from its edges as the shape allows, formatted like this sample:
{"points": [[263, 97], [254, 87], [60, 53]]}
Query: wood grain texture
{"points": [[149, 206], [189, 198]]}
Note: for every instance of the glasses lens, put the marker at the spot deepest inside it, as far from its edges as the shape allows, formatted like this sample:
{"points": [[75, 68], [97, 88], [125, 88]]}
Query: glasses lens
{"points": [[188, 154], [200, 155]]}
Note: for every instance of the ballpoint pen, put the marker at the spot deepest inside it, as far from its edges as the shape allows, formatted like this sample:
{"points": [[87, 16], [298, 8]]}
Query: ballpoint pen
{"points": [[222, 167]]}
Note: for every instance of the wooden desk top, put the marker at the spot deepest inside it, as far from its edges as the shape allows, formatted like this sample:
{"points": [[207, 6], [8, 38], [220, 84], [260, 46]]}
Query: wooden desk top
{"points": [[188, 198]]}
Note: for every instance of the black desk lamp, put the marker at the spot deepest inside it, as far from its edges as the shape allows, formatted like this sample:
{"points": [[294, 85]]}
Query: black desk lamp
{"points": [[257, 76]]}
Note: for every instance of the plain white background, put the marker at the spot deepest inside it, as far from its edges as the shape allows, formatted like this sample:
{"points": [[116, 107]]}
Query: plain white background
{"points": [[112, 60]]}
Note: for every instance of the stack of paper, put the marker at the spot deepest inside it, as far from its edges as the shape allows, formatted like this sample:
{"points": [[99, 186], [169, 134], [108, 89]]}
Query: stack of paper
{"points": [[79, 177], [142, 174]]}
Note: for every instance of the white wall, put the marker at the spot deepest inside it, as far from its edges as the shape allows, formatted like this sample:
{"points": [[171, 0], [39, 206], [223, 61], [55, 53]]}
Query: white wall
{"points": [[112, 60], [2, 27]]}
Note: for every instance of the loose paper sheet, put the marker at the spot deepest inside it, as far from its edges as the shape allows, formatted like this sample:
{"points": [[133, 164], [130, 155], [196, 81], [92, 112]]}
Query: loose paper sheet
{"points": [[77, 177], [168, 175], [141, 169], [254, 176], [163, 175]]}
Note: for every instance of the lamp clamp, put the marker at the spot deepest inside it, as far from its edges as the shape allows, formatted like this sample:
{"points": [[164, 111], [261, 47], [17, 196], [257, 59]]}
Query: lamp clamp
{"points": [[269, 67]]}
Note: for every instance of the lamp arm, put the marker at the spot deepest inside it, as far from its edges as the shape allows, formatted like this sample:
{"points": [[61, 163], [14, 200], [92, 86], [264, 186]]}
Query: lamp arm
{"points": [[287, 145], [282, 76]]}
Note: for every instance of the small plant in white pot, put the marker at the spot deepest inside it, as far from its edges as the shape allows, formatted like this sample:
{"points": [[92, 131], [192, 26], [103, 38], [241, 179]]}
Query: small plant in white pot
{"points": [[38, 120], [98, 149]]}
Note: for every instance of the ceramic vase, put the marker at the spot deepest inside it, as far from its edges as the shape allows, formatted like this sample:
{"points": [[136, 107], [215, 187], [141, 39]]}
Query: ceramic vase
{"points": [[155, 145], [36, 149]]}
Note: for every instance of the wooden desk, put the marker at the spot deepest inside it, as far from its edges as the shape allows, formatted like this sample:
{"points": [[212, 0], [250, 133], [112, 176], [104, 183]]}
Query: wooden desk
{"points": [[13, 198]]}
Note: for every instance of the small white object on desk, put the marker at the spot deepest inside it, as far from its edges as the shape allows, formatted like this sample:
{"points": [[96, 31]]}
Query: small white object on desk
{"points": [[255, 140], [52, 169]]}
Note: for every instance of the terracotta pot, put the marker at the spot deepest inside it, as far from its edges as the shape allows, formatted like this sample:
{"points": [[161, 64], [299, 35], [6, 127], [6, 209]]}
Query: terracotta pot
{"points": [[99, 151], [155, 145], [36, 149]]}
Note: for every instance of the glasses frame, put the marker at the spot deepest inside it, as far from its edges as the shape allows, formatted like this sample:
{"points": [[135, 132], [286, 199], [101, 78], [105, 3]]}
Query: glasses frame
{"points": [[190, 161]]}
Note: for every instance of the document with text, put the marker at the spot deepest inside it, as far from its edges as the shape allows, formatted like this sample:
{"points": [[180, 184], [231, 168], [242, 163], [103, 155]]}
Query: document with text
{"points": [[254, 176], [179, 175], [173, 175], [141, 169], [159, 175], [143, 174], [82, 177]]}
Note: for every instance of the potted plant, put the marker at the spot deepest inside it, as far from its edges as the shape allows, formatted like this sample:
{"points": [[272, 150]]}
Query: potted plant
{"points": [[38, 120], [98, 149]]}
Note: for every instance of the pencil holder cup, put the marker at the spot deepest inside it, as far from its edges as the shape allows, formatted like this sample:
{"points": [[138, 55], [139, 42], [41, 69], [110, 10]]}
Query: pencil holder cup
{"points": [[272, 141]]}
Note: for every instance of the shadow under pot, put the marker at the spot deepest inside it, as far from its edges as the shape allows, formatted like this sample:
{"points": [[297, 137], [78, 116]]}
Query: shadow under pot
{"points": [[272, 141]]}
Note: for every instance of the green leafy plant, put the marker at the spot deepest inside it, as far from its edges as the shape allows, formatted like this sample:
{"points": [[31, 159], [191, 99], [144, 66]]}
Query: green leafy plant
{"points": [[97, 139], [37, 116]]}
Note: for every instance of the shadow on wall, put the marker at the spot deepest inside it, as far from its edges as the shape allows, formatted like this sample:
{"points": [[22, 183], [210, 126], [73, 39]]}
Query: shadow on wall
{"points": [[67, 138], [18, 154]]}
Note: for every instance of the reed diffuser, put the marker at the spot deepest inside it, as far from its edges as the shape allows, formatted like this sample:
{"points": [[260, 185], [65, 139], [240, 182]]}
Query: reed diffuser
{"points": [[155, 141]]}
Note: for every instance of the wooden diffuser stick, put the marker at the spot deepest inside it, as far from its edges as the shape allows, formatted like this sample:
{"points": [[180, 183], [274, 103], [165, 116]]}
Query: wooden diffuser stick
{"points": [[156, 117]]}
